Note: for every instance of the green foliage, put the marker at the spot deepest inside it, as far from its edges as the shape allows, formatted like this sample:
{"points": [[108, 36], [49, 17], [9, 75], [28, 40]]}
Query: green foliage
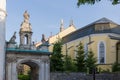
{"points": [[80, 58], [56, 61], [83, 2], [116, 67], [80, 64], [90, 61], [23, 77], [69, 65]]}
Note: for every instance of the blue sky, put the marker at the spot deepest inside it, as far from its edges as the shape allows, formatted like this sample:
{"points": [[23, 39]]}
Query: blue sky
{"points": [[45, 15]]}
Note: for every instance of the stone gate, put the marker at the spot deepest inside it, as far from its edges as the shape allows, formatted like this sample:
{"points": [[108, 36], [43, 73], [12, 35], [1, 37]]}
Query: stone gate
{"points": [[37, 60]]}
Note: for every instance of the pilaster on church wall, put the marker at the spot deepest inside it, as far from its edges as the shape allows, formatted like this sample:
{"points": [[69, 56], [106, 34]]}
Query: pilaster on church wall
{"points": [[113, 49]]}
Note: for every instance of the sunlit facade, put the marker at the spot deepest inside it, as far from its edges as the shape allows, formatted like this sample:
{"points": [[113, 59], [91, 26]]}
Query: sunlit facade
{"points": [[101, 36]]}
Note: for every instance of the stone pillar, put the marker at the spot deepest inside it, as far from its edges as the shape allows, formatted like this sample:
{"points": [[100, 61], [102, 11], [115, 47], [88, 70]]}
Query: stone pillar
{"points": [[9, 76], [41, 71], [47, 71], [14, 71], [2, 38]]}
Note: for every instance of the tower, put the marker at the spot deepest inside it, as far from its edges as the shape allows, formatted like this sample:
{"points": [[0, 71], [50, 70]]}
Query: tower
{"points": [[71, 23], [61, 26], [2, 38], [25, 32]]}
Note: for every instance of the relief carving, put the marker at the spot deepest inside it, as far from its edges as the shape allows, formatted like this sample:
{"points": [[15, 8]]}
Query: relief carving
{"points": [[11, 59]]}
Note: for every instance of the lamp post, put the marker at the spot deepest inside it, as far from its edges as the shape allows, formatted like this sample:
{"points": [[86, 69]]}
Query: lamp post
{"points": [[94, 71]]}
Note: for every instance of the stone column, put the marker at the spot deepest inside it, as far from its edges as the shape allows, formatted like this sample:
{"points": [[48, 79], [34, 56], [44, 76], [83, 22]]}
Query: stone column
{"points": [[47, 71], [9, 76], [11, 68], [2, 38], [41, 71], [14, 71]]}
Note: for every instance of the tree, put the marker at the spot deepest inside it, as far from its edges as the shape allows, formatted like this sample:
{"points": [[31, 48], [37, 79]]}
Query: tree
{"points": [[69, 65], [56, 61], [80, 58], [116, 67], [82, 2], [90, 61]]}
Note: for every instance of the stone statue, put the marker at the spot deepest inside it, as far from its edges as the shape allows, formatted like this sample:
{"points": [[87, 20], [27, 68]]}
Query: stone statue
{"points": [[43, 38], [26, 16], [12, 40]]}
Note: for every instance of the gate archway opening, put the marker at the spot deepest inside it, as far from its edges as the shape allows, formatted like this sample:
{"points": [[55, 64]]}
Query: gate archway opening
{"points": [[29, 70]]}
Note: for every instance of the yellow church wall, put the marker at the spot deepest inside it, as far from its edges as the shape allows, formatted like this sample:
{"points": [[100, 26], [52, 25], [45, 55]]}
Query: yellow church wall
{"points": [[58, 36], [110, 46], [51, 48], [104, 38], [104, 68], [71, 47], [65, 32], [113, 25], [104, 26], [99, 27]]}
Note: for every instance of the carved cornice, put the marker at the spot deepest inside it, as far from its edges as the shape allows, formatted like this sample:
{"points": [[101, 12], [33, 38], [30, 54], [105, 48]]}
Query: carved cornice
{"points": [[11, 59], [45, 60]]}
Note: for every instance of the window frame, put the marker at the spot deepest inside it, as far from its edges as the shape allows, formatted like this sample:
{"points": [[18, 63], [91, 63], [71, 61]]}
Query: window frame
{"points": [[99, 52]]}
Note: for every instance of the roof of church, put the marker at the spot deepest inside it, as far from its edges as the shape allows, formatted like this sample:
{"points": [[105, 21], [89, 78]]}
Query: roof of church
{"points": [[102, 20], [89, 29]]}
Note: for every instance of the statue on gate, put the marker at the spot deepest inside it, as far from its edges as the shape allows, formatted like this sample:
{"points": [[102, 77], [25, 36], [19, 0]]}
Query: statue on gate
{"points": [[12, 39]]}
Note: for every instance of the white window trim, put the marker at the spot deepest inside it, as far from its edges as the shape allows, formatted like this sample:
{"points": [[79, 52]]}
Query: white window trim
{"points": [[99, 51]]}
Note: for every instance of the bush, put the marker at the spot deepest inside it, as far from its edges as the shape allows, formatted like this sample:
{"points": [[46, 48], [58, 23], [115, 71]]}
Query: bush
{"points": [[116, 67], [23, 77]]}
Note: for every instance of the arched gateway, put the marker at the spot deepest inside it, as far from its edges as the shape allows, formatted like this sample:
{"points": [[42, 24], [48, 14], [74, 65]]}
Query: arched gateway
{"points": [[37, 58]]}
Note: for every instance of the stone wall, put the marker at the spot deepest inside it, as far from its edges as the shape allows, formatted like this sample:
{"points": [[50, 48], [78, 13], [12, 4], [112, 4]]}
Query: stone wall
{"points": [[82, 76]]}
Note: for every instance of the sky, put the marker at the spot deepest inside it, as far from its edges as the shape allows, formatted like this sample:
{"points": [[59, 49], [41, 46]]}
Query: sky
{"points": [[45, 15]]}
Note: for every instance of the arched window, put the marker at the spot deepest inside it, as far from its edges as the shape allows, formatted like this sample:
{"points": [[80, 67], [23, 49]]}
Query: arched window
{"points": [[101, 53], [26, 39]]}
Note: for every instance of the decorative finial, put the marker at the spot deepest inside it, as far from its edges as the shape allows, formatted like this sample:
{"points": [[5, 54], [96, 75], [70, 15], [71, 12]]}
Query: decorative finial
{"points": [[62, 22], [43, 38], [62, 25], [50, 34], [71, 22]]}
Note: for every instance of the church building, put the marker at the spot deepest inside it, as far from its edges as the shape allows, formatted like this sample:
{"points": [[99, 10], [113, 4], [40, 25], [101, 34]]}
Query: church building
{"points": [[101, 36]]}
